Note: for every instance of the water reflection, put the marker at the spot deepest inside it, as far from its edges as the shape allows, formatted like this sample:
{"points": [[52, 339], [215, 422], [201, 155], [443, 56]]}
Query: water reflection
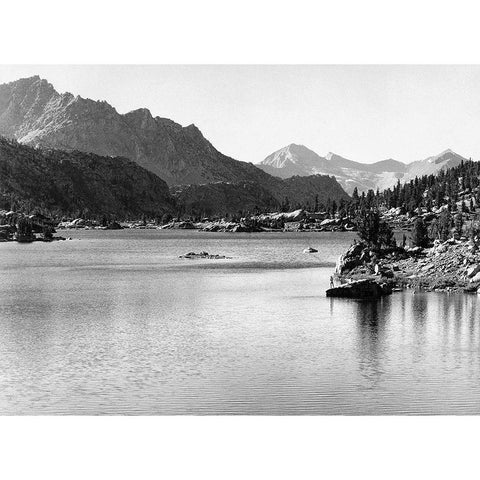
{"points": [[100, 329], [419, 319], [372, 317]]}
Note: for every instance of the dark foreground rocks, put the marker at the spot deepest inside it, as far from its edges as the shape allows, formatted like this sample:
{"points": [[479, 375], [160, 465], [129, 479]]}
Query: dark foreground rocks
{"points": [[360, 289]]}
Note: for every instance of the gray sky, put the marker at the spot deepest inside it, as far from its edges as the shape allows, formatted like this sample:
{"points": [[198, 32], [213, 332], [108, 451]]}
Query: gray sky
{"points": [[365, 113]]}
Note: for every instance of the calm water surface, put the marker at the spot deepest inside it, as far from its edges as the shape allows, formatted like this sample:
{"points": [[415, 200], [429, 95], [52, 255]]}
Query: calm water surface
{"points": [[115, 323]]}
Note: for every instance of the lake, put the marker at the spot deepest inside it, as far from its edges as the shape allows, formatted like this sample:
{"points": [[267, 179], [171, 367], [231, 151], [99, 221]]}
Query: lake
{"points": [[114, 323]]}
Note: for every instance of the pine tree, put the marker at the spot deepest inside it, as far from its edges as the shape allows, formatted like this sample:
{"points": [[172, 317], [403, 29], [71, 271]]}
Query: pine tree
{"points": [[444, 225], [420, 233], [355, 196], [372, 230]]}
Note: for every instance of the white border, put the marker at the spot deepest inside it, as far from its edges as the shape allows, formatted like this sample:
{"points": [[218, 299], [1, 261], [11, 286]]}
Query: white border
{"points": [[54, 31], [239, 448], [251, 31]]}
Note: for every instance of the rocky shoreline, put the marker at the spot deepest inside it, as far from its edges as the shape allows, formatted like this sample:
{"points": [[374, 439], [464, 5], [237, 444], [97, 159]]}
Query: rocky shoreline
{"points": [[450, 266]]}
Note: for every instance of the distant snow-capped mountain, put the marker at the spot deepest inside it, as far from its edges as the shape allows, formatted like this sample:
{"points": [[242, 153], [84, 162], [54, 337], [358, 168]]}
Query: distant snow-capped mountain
{"points": [[296, 160], [300, 160]]}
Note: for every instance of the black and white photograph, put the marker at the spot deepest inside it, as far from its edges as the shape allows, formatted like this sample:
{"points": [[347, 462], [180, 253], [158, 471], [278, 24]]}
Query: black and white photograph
{"points": [[303, 271], [204, 252]]}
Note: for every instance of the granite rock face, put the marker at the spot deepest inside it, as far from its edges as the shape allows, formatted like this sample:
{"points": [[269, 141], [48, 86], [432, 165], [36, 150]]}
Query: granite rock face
{"points": [[34, 113]]}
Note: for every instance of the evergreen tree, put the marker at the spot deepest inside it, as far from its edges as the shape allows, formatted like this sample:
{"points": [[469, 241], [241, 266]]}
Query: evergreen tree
{"points": [[372, 230], [444, 225], [355, 196], [458, 224], [420, 233]]}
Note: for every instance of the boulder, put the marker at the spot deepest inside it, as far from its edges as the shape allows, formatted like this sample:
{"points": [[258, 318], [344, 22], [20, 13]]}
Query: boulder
{"points": [[427, 267], [471, 289], [185, 225], [351, 258], [327, 221], [386, 273], [475, 278], [441, 248], [472, 271], [360, 289]]}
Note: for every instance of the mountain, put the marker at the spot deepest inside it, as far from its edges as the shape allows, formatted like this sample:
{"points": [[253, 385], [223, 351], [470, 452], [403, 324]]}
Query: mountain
{"points": [[296, 160], [388, 165], [34, 113], [76, 183], [299, 160], [432, 165], [366, 176], [221, 197]]}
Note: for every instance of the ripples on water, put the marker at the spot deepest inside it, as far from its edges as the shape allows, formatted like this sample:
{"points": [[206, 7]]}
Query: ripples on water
{"points": [[116, 323]]}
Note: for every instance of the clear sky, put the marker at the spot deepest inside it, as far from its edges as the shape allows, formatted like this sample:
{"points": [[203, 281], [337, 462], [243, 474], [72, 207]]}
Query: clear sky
{"points": [[365, 113]]}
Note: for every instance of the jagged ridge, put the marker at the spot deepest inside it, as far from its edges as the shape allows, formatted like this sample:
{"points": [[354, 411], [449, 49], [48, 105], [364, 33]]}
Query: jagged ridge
{"points": [[33, 112]]}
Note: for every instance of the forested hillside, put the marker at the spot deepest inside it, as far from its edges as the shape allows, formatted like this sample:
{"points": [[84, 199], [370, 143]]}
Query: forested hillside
{"points": [[78, 184]]}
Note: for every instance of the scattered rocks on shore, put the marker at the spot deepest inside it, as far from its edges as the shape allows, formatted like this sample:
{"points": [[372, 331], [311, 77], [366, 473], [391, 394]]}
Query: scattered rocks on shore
{"points": [[178, 225], [446, 266], [234, 227]]}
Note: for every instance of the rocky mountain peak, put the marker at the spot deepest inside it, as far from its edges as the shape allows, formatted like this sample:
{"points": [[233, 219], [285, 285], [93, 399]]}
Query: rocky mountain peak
{"points": [[447, 155], [351, 174], [179, 155]]}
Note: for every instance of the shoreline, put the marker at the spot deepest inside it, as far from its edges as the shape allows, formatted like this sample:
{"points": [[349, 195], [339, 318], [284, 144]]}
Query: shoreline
{"points": [[452, 266]]}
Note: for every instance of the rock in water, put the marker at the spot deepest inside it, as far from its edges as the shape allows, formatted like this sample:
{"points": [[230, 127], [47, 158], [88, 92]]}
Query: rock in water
{"points": [[204, 255], [360, 289]]}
